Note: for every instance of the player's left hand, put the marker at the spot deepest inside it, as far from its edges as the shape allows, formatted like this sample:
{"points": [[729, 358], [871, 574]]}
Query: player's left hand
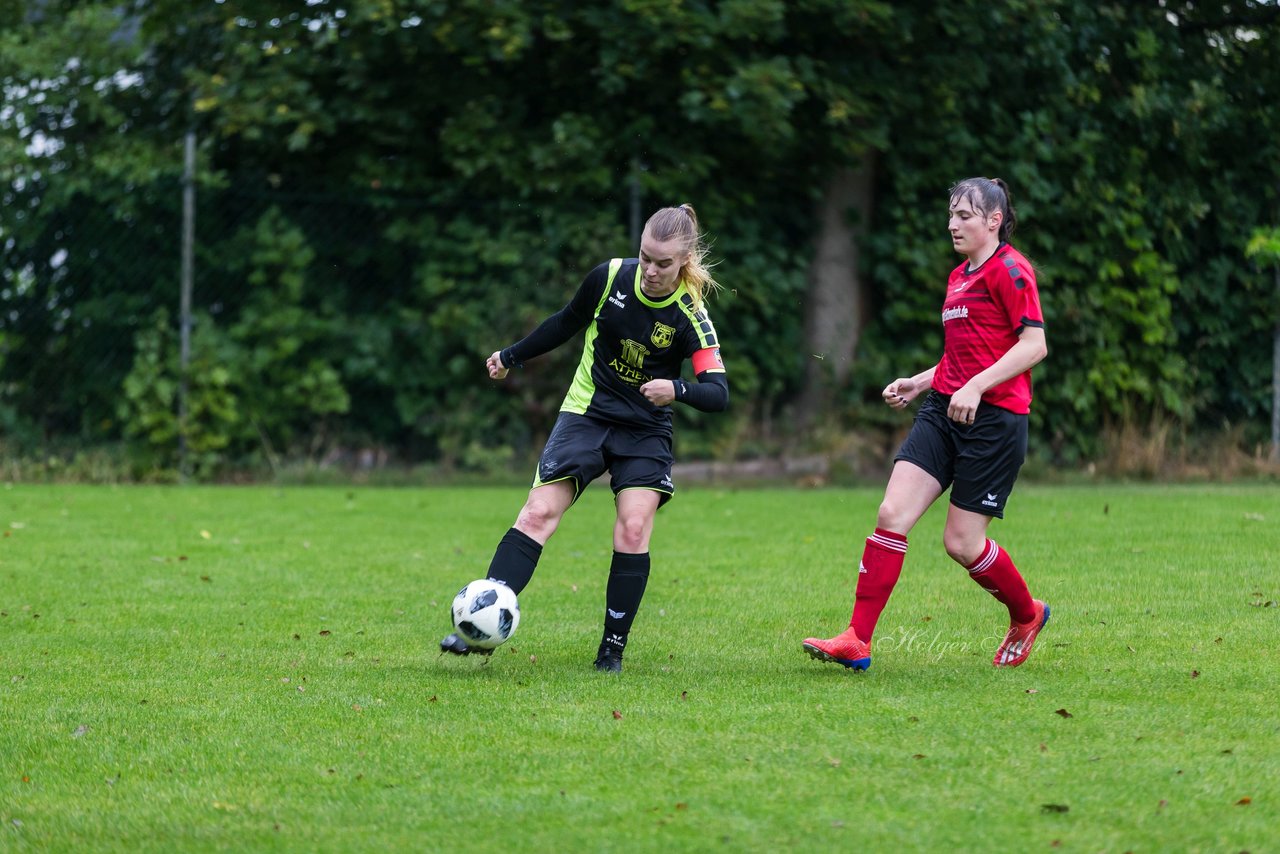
{"points": [[964, 405], [659, 392]]}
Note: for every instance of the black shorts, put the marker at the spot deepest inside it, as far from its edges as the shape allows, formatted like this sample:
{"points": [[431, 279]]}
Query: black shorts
{"points": [[581, 448], [981, 459]]}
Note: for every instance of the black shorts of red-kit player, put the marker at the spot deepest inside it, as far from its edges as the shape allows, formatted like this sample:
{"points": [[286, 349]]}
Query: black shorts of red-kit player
{"points": [[628, 576], [515, 559], [979, 461]]}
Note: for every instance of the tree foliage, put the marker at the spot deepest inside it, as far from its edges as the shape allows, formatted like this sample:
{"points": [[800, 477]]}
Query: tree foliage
{"points": [[390, 190]]}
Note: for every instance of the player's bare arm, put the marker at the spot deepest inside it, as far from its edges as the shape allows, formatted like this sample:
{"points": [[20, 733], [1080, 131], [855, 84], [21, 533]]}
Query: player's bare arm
{"points": [[1018, 359], [903, 390]]}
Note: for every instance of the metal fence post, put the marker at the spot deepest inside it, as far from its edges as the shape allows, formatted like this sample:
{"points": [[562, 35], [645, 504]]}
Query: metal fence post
{"points": [[187, 275]]}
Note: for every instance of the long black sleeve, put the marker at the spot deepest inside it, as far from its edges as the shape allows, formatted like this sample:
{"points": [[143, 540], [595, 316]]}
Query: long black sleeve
{"points": [[550, 334], [709, 394], [561, 326]]}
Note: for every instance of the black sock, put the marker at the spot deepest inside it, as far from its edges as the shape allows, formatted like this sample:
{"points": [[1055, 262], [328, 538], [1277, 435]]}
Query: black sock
{"points": [[515, 560], [628, 575]]}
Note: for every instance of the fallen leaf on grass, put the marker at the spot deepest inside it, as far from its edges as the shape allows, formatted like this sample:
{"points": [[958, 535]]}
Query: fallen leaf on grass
{"points": [[1163, 803], [1244, 802], [206, 535], [1054, 808], [1033, 691], [682, 806], [1195, 674], [617, 715], [1062, 712], [917, 756], [80, 730]]}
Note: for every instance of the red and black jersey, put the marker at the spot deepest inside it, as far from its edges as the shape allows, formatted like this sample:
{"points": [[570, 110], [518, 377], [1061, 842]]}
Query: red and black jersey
{"points": [[982, 314]]}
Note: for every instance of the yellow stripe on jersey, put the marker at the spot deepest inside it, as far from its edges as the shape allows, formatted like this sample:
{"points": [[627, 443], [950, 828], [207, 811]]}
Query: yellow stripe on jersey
{"points": [[583, 389]]}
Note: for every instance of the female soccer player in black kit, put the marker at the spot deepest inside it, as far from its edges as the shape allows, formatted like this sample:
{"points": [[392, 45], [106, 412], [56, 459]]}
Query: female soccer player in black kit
{"points": [[643, 318], [970, 433]]}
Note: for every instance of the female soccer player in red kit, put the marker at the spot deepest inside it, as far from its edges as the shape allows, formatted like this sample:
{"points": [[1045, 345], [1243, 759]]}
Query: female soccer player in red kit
{"points": [[970, 433]]}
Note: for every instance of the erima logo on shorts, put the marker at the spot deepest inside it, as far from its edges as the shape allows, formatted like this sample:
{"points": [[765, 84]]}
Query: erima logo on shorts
{"points": [[617, 299], [991, 501]]}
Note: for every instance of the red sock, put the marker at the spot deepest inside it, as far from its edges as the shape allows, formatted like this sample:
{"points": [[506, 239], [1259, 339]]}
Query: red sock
{"points": [[994, 571], [877, 574]]}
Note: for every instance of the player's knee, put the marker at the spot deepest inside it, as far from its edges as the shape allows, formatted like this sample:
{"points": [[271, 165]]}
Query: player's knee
{"points": [[892, 516], [538, 519], [631, 534], [963, 548]]}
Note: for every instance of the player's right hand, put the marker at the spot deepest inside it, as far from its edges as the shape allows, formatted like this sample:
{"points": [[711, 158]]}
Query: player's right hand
{"points": [[900, 392], [494, 364]]}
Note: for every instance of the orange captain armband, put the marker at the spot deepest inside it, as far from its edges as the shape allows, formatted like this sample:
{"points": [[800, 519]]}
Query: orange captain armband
{"points": [[707, 359]]}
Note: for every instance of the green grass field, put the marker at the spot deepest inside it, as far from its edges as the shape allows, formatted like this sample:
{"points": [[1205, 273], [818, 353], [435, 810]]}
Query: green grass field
{"points": [[257, 669]]}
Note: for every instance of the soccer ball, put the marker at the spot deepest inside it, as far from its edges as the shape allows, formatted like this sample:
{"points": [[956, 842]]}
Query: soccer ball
{"points": [[485, 613]]}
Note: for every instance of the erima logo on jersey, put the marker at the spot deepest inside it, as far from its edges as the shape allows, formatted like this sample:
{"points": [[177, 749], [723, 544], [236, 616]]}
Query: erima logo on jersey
{"points": [[958, 313], [991, 501], [617, 299]]}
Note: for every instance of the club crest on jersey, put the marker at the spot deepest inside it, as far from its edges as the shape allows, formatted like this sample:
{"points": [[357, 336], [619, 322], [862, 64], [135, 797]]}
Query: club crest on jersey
{"points": [[662, 335]]}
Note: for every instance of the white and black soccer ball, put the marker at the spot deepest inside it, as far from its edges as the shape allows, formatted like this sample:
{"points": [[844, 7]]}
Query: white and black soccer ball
{"points": [[485, 613]]}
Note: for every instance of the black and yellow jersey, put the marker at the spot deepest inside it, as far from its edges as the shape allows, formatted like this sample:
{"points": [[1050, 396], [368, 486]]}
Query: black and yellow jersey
{"points": [[630, 339]]}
